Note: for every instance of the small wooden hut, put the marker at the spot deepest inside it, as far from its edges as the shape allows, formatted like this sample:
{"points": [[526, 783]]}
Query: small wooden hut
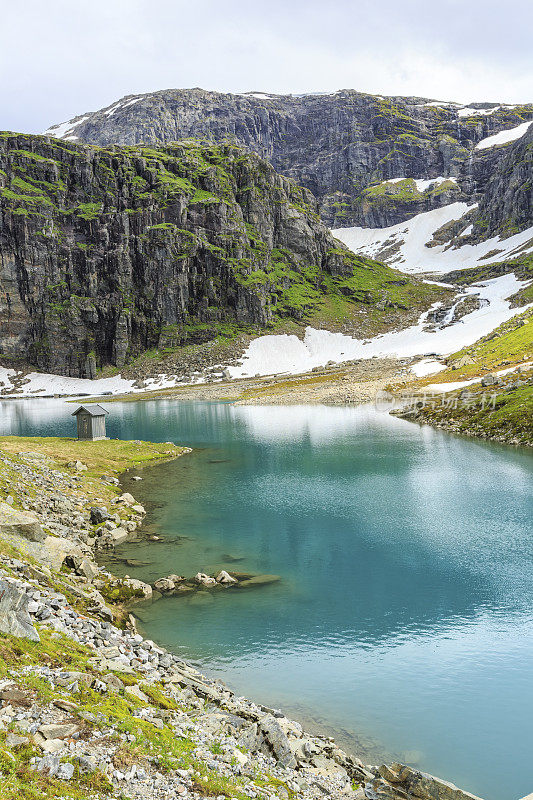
{"points": [[91, 422]]}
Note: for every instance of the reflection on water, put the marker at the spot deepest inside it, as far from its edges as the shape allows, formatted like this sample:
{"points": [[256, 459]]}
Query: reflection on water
{"points": [[405, 607]]}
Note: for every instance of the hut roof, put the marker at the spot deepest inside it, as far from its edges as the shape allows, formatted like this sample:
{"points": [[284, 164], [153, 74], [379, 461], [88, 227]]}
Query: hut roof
{"points": [[94, 410]]}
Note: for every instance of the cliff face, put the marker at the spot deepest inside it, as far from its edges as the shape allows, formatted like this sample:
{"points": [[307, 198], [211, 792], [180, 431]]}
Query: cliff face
{"points": [[344, 147], [507, 205], [107, 252]]}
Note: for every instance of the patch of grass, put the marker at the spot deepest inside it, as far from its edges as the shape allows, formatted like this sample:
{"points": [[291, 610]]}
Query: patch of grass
{"points": [[509, 420], [510, 343], [109, 455]]}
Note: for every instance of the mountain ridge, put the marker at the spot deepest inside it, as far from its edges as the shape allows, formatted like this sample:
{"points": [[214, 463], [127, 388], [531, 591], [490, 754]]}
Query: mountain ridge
{"points": [[345, 146]]}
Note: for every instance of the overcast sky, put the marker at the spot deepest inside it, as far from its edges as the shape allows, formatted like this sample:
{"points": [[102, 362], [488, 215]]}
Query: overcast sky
{"points": [[59, 58]]}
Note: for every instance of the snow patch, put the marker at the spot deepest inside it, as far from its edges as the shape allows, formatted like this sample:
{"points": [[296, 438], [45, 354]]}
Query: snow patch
{"points": [[428, 366], [410, 241], [453, 385], [111, 110], [276, 354], [62, 130], [258, 95], [441, 104], [477, 112], [45, 383], [423, 183], [504, 137], [131, 102]]}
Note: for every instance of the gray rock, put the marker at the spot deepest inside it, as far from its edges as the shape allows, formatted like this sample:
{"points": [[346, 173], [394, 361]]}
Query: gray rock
{"points": [[87, 764], [14, 615], [21, 523], [65, 771], [98, 514], [12, 740], [88, 569], [277, 740], [399, 781], [49, 765], [59, 731]]}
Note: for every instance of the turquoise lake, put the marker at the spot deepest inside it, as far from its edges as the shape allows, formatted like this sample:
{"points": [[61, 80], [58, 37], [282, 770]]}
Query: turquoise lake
{"points": [[403, 621]]}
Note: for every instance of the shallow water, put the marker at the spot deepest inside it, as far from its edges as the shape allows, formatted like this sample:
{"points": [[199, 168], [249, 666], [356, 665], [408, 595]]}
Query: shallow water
{"points": [[404, 617]]}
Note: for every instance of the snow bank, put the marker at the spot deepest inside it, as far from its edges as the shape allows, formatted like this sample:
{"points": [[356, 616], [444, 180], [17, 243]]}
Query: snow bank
{"points": [[63, 129], [258, 95], [45, 383], [268, 355], [503, 137], [412, 237], [476, 112], [453, 385], [40, 383], [428, 366], [423, 183]]}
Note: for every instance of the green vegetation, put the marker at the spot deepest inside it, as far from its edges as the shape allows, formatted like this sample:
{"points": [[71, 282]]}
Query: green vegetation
{"points": [[510, 343], [505, 415], [109, 455], [147, 743], [390, 194]]}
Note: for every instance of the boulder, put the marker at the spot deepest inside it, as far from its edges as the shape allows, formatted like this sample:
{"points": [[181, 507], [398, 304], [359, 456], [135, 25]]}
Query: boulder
{"points": [[118, 535], [258, 580], [204, 580], [127, 498], [135, 692], [137, 585], [164, 585], [98, 515], [59, 731], [14, 615], [88, 569], [277, 740], [21, 523], [491, 380], [225, 578], [79, 466], [397, 781]]}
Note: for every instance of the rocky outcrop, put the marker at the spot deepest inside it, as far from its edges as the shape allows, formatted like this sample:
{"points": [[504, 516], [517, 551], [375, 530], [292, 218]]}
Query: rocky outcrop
{"points": [[342, 146], [14, 614], [397, 781], [20, 523], [106, 253], [507, 204]]}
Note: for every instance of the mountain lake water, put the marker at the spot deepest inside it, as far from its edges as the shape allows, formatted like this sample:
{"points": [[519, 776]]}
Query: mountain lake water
{"points": [[403, 620]]}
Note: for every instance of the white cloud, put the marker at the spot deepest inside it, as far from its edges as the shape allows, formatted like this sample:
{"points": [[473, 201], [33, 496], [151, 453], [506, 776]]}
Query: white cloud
{"points": [[60, 59]]}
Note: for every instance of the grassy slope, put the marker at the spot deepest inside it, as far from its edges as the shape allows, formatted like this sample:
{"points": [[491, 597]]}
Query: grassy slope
{"points": [[511, 343], [110, 455], [509, 420]]}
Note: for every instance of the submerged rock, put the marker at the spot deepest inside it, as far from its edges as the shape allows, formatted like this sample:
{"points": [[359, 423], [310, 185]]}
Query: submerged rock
{"points": [[258, 580], [225, 578]]}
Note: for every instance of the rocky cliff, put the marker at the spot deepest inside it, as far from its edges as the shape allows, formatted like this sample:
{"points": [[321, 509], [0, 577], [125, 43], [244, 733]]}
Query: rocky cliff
{"points": [[108, 252], [345, 147], [507, 204]]}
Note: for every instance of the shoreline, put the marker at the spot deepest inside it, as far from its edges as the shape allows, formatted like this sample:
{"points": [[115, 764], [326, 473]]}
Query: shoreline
{"points": [[288, 750]]}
